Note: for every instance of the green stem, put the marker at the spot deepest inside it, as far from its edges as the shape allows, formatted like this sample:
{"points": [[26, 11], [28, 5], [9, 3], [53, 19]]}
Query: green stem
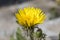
{"points": [[31, 35]]}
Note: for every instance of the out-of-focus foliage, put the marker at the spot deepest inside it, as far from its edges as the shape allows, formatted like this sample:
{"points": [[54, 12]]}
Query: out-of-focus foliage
{"points": [[58, 2], [54, 13], [18, 35]]}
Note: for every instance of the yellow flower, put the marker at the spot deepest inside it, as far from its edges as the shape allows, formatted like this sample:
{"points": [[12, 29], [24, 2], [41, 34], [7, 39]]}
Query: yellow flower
{"points": [[30, 16]]}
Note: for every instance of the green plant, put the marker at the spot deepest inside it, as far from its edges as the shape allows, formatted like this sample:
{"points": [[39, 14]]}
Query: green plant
{"points": [[18, 35]]}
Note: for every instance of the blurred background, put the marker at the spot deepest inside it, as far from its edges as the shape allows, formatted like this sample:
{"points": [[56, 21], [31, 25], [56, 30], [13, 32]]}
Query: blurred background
{"points": [[8, 25]]}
